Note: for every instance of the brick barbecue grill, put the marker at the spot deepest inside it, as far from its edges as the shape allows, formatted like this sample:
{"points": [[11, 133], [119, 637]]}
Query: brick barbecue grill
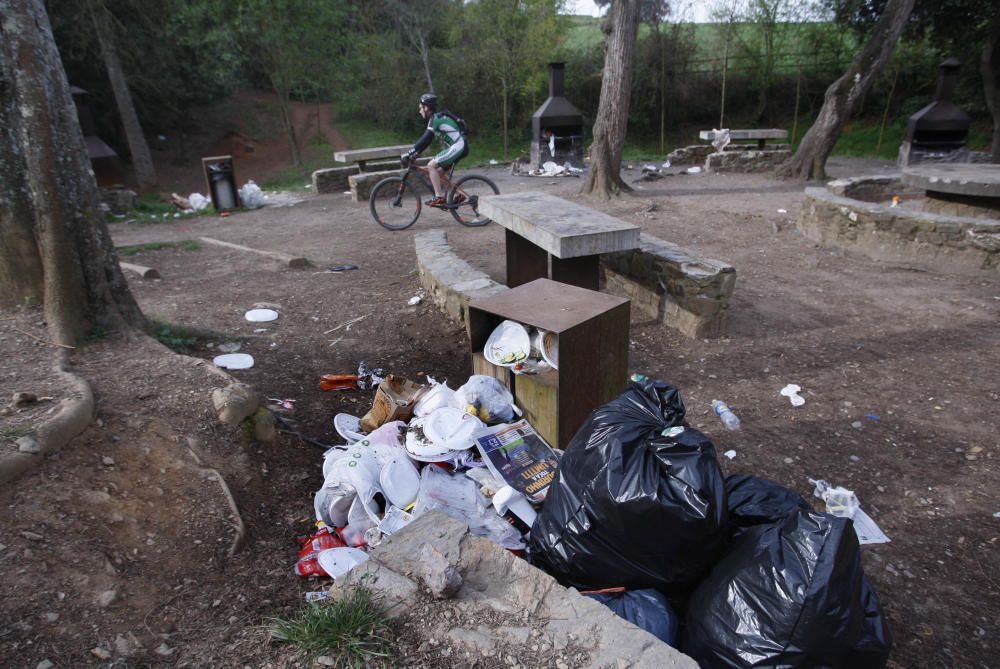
{"points": [[938, 132], [557, 126]]}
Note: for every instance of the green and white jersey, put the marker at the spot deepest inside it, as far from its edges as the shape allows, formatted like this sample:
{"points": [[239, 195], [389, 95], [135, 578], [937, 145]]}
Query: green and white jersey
{"points": [[445, 127]]}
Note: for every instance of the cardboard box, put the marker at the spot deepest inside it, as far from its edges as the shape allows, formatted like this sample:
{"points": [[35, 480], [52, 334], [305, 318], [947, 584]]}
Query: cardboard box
{"points": [[394, 400]]}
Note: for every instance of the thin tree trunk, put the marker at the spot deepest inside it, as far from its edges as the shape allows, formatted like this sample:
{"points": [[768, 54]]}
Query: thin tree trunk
{"points": [[843, 95], [988, 68], [426, 56], [285, 106], [620, 27], [142, 161], [503, 84], [725, 72], [49, 203]]}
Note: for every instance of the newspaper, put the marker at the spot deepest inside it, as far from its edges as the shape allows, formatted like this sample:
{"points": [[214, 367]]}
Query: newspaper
{"points": [[515, 453]]}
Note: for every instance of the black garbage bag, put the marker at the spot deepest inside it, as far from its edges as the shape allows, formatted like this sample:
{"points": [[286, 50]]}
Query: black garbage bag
{"points": [[756, 501], [634, 504], [646, 609], [791, 595]]}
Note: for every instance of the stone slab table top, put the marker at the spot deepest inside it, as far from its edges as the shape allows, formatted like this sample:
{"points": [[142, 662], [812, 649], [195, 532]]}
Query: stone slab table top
{"points": [[561, 228], [764, 133], [360, 155], [958, 178]]}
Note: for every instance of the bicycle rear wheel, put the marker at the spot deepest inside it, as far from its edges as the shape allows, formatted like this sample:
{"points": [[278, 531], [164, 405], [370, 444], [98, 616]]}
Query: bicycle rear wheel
{"points": [[471, 188], [394, 203]]}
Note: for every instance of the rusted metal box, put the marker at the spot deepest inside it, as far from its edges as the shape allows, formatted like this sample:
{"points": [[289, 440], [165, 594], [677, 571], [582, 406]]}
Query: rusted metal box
{"points": [[221, 181], [593, 330]]}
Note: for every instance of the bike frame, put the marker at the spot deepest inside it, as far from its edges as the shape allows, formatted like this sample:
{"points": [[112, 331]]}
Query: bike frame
{"points": [[423, 176]]}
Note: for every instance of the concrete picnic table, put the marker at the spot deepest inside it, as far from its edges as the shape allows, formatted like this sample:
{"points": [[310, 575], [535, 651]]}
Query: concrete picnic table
{"points": [[360, 156], [736, 135], [544, 230]]}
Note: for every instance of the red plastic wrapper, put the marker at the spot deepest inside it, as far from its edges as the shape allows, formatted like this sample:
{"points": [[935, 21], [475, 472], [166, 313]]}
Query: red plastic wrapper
{"points": [[308, 563]]}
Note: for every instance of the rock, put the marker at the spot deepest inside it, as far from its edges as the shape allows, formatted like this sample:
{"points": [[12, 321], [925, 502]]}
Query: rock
{"points": [[123, 646], [234, 403], [51, 617], [326, 661], [163, 650], [107, 461], [34, 536], [107, 598], [100, 653], [28, 445], [440, 575], [231, 347], [44, 664], [21, 399], [265, 427]]}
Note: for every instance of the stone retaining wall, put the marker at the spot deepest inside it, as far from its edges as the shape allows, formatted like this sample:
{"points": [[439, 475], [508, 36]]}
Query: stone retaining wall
{"points": [[669, 284], [918, 239], [450, 281], [333, 179], [362, 184], [751, 160]]}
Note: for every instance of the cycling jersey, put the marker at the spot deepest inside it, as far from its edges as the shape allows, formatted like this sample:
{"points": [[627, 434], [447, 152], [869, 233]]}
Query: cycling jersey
{"points": [[448, 132]]}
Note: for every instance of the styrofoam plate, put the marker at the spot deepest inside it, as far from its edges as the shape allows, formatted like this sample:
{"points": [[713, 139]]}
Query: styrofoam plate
{"points": [[348, 427], [451, 428], [421, 448], [338, 561], [507, 344], [233, 361], [261, 315]]}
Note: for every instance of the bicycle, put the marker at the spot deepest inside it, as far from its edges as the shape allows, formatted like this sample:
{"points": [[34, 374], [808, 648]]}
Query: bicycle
{"points": [[395, 202]]}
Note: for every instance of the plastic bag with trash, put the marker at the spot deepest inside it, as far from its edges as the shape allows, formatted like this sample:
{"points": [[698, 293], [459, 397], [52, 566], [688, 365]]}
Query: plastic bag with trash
{"points": [[485, 398], [646, 609], [198, 201], [638, 502], [789, 594], [251, 195]]}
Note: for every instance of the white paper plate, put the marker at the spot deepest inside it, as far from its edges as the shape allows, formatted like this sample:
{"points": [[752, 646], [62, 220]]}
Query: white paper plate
{"points": [[421, 448], [451, 428], [507, 344], [233, 361], [548, 344], [261, 315], [348, 427], [338, 561]]}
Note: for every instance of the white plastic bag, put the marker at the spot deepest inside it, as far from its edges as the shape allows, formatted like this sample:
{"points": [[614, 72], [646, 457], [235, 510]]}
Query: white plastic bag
{"points": [[251, 195], [198, 201], [486, 398]]}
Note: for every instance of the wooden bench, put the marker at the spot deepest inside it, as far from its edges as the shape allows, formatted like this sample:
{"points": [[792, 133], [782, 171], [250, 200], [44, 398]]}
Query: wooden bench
{"points": [[544, 230], [361, 156], [744, 135]]}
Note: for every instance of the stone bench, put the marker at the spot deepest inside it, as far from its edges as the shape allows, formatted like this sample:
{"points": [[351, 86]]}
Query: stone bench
{"points": [[337, 179], [450, 281], [761, 136], [672, 285], [361, 156]]}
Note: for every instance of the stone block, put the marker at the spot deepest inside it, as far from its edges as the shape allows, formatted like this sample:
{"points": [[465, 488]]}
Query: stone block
{"points": [[362, 184], [332, 179], [450, 281], [746, 161], [119, 200]]}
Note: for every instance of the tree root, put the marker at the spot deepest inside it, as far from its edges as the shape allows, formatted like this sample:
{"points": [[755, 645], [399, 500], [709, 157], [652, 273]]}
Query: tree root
{"points": [[72, 418], [239, 525]]}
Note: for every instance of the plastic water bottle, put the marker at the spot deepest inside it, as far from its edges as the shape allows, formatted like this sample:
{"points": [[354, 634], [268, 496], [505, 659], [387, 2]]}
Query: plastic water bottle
{"points": [[725, 414]]}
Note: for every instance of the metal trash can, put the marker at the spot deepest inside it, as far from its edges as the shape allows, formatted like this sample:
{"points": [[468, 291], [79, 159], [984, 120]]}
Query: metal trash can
{"points": [[221, 181]]}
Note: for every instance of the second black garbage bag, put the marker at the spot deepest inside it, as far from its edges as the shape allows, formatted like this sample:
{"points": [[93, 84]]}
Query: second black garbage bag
{"points": [[638, 502]]}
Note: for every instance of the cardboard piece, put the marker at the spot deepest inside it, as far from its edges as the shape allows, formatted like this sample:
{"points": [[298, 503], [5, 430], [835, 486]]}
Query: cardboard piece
{"points": [[395, 398]]}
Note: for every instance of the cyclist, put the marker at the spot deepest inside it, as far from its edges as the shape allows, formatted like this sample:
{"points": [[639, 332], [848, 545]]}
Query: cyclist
{"points": [[448, 129]]}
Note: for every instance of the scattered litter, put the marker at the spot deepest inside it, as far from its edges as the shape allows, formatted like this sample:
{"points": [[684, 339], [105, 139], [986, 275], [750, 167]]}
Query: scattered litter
{"points": [[261, 315], [722, 139], [259, 330], [997, 514], [856, 425], [348, 427], [693, 170], [726, 415], [224, 214], [342, 268], [730, 454], [285, 404], [782, 211], [415, 300], [666, 164], [230, 347], [233, 361], [843, 503], [348, 324], [646, 609], [198, 201], [896, 200], [873, 417], [518, 455], [252, 196], [513, 507], [485, 398], [338, 561], [791, 391], [317, 596], [493, 162], [338, 382]]}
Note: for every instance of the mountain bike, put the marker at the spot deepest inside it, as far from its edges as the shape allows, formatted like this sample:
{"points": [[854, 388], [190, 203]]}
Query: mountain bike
{"points": [[395, 202]]}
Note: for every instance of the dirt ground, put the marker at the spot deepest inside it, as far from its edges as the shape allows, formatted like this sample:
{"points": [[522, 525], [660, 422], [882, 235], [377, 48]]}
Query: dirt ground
{"points": [[899, 369]]}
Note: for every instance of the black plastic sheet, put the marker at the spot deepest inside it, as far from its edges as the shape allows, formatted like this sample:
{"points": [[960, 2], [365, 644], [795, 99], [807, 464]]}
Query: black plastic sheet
{"points": [[634, 504], [792, 595]]}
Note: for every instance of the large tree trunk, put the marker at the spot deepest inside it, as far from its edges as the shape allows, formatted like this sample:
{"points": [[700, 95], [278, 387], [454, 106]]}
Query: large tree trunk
{"points": [[844, 95], [142, 161], [989, 68], [619, 28], [54, 244]]}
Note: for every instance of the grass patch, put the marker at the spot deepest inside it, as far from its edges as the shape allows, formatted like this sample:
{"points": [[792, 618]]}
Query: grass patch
{"points": [[150, 208], [354, 631], [136, 249], [13, 432], [175, 337]]}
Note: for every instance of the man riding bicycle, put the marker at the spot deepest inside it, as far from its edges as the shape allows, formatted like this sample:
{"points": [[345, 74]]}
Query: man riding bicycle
{"points": [[449, 130]]}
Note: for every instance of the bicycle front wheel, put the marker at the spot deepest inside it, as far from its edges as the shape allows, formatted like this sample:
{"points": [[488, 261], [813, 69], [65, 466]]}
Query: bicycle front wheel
{"points": [[471, 188], [394, 203]]}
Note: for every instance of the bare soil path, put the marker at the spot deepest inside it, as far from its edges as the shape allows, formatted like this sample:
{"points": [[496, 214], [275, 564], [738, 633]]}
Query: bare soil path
{"points": [[900, 370]]}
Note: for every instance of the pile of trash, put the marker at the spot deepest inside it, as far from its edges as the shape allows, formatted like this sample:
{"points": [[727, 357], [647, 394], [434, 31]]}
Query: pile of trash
{"points": [[553, 169], [735, 572], [422, 447]]}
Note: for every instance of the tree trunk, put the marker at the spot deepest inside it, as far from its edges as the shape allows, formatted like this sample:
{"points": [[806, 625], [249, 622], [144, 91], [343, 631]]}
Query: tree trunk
{"points": [[843, 95], [503, 85], [425, 54], [54, 243], [285, 106], [620, 27], [988, 68], [142, 161]]}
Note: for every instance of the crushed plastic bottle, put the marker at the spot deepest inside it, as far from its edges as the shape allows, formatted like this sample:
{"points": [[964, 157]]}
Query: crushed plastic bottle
{"points": [[725, 414]]}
